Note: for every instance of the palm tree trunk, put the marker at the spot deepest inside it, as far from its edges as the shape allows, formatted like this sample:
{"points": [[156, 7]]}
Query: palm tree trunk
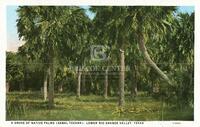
{"points": [[92, 87], [122, 77], [60, 87], [78, 90], [83, 85], [143, 49], [45, 83], [109, 90], [21, 86], [96, 88], [25, 76], [51, 83], [106, 84], [134, 87]]}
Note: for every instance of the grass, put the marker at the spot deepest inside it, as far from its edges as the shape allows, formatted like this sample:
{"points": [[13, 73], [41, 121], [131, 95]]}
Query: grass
{"points": [[31, 106]]}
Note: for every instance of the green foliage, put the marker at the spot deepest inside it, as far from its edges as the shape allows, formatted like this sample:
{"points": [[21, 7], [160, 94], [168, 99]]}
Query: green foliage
{"points": [[52, 29], [178, 51], [14, 70]]}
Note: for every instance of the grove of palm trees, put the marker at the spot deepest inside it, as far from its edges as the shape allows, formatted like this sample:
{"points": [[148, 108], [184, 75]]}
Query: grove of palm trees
{"points": [[125, 63]]}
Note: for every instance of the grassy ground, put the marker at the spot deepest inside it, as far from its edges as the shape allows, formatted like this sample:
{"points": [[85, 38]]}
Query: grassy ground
{"points": [[30, 106]]}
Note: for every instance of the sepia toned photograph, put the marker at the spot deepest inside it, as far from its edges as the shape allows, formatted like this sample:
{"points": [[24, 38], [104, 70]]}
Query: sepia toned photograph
{"points": [[113, 63]]}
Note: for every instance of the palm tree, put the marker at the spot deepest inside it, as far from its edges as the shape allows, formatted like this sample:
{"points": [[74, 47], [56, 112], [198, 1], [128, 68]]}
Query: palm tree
{"points": [[151, 21], [113, 23], [49, 29], [118, 24]]}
